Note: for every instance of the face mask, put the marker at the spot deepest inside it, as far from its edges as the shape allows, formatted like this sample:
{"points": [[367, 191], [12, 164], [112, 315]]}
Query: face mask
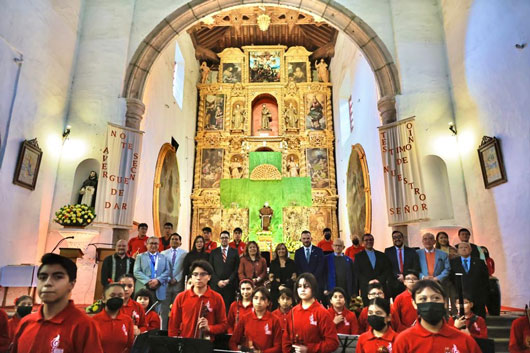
{"points": [[327, 236], [24, 310], [355, 241], [377, 322], [431, 312], [114, 304]]}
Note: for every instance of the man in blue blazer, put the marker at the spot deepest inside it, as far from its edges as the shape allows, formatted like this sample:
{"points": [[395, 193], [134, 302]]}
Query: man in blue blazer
{"points": [[339, 271], [434, 263], [310, 258], [152, 269]]}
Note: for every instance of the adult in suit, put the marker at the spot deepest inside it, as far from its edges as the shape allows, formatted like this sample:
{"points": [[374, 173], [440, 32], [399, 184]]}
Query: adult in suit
{"points": [[117, 264], [475, 277], [151, 270], [310, 258], [434, 263], [339, 270], [371, 264], [402, 259], [175, 256], [225, 263], [464, 235]]}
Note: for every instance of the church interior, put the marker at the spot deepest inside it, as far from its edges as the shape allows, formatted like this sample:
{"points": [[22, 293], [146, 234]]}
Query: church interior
{"points": [[273, 116]]}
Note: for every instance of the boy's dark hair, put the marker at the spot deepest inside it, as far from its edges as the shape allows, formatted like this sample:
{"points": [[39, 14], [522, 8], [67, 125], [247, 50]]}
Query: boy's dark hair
{"points": [[55, 259], [264, 291], [22, 298], [143, 225], [127, 275], [143, 292], [207, 229], [341, 291], [311, 280], [168, 224], [238, 230], [411, 272], [463, 230], [382, 303], [427, 283], [287, 291], [326, 230], [374, 286], [205, 265], [112, 285]]}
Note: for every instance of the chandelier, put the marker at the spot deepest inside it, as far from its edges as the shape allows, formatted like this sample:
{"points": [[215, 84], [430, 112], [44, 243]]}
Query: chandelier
{"points": [[263, 22]]}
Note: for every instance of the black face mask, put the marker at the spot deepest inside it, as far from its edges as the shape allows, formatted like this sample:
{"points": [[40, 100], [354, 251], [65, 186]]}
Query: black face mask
{"points": [[377, 322], [355, 241], [327, 236], [431, 312], [114, 304], [24, 310]]}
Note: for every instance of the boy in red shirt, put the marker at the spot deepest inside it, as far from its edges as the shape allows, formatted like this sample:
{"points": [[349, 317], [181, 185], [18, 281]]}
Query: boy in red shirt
{"points": [[138, 244], [520, 334], [380, 336], [405, 312], [237, 243], [130, 307], [4, 331], [431, 333], [209, 244], [345, 321], [116, 330], [144, 297], [326, 244], [375, 290], [240, 307], [258, 330], [285, 301], [198, 312], [355, 248], [23, 306], [470, 323], [58, 326]]}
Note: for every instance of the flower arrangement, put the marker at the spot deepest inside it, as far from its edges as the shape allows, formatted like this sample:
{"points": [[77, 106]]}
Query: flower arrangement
{"points": [[79, 215]]}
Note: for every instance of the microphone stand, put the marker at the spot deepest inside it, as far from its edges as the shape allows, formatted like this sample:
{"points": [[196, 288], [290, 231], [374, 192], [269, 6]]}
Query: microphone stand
{"points": [[60, 241]]}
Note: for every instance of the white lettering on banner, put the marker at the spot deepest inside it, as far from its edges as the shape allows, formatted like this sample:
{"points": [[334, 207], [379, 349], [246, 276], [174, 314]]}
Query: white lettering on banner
{"points": [[117, 184], [405, 198]]}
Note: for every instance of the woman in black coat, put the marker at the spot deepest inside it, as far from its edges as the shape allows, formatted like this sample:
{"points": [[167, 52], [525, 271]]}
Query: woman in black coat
{"points": [[196, 253], [283, 269]]}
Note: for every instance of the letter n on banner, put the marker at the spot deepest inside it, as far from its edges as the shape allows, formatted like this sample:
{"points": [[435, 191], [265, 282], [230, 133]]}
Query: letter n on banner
{"points": [[118, 177], [405, 196]]}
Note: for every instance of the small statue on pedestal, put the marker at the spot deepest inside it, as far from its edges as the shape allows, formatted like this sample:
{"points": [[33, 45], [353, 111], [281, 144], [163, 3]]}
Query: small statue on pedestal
{"points": [[205, 72], [322, 70], [87, 193], [266, 117], [265, 213]]}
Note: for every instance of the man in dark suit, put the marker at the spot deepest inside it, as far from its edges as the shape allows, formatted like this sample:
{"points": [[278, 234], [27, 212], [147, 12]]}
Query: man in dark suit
{"points": [[225, 263], [371, 264], [402, 259], [475, 278], [310, 258]]}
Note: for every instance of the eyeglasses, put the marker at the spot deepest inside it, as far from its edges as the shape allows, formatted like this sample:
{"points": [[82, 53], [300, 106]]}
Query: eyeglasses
{"points": [[199, 274], [411, 279], [226, 238]]}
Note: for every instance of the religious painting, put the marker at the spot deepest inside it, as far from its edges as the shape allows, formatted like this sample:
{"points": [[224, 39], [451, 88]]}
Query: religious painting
{"points": [[211, 167], [231, 73], [297, 72], [315, 111], [166, 198], [358, 199], [264, 66], [319, 218], [265, 116], [318, 167], [214, 109], [28, 164], [209, 217], [491, 162], [295, 220], [235, 217]]}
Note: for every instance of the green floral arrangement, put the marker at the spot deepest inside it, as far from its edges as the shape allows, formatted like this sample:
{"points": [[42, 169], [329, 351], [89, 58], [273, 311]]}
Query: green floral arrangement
{"points": [[94, 308], [75, 215]]}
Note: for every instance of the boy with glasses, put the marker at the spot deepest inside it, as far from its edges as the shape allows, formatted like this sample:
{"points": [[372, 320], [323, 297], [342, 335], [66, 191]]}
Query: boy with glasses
{"points": [[405, 311]]}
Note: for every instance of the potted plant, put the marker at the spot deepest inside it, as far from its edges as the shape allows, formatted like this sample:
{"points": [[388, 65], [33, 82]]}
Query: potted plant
{"points": [[78, 216]]}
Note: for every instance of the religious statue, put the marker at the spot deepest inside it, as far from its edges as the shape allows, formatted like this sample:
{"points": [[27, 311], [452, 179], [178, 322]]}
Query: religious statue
{"points": [[265, 213], [322, 70], [205, 72], [291, 116], [292, 168], [266, 117], [238, 118], [236, 169], [87, 193]]}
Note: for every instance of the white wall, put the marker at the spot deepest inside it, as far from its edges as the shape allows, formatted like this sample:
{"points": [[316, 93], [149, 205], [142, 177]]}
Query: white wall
{"points": [[490, 84]]}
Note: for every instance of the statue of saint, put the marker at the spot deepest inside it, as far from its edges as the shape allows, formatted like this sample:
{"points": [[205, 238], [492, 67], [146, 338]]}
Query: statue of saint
{"points": [[322, 70], [292, 168], [266, 117], [291, 116], [236, 169], [87, 193], [238, 118], [265, 213], [205, 72]]}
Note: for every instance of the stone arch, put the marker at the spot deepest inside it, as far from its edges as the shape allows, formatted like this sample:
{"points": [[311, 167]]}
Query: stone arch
{"points": [[373, 48]]}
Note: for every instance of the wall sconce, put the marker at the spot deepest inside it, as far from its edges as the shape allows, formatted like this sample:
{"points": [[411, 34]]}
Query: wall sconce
{"points": [[452, 127], [66, 131]]}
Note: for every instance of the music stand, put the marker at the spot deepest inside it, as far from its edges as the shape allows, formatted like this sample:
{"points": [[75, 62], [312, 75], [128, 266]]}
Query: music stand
{"points": [[347, 343], [221, 341], [179, 345]]}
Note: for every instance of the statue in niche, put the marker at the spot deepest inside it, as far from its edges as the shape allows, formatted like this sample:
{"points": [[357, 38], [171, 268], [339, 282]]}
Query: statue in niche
{"points": [[291, 116], [322, 70], [236, 168], [266, 117], [238, 117], [292, 168], [205, 72], [87, 193], [265, 214]]}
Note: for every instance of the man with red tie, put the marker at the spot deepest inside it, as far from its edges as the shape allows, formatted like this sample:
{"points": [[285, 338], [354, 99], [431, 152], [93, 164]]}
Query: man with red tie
{"points": [[403, 259]]}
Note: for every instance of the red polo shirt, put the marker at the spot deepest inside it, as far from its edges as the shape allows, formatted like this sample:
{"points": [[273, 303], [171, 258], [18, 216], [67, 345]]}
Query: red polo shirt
{"points": [[186, 309], [152, 320], [349, 326], [477, 329], [117, 335], [368, 343], [418, 340], [136, 244], [312, 327], [234, 316], [5, 339], [70, 331], [13, 324], [281, 317], [240, 247], [352, 251], [325, 245], [209, 246], [135, 311], [520, 336], [265, 333], [404, 311]]}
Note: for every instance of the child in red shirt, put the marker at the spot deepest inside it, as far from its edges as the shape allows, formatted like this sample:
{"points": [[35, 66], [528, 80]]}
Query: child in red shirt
{"points": [[137, 245], [258, 330], [131, 308], [356, 247], [326, 243], [240, 307], [310, 327], [116, 330], [237, 243], [520, 334], [23, 306], [144, 297], [470, 323], [4, 331], [431, 333], [381, 334], [345, 321], [58, 326], [209, 244], [375, 290], [406, 314], [285, 301]]}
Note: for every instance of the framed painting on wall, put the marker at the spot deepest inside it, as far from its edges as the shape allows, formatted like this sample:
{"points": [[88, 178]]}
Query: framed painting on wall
{"points": [[491, 162], [211, 167], [318, 167], [264, 66], [28, 164], [214, 107], [315, 111], [166, 189], [297, 72], [231, 73]]}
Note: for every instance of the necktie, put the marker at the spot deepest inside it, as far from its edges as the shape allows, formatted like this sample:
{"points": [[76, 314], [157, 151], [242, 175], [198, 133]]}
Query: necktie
{"points": [[224, 255], [307, 254], [400, 260], [466, 265], [174, 257]]}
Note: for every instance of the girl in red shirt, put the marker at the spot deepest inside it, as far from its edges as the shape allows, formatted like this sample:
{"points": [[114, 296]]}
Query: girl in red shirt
{"points": [[310, 327], [285, 303], [381, 336], [240, 307], [144, 297], [23, 307], [130, 307], [345, 321], [405, 313], [470, 323], [258, 330]]}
